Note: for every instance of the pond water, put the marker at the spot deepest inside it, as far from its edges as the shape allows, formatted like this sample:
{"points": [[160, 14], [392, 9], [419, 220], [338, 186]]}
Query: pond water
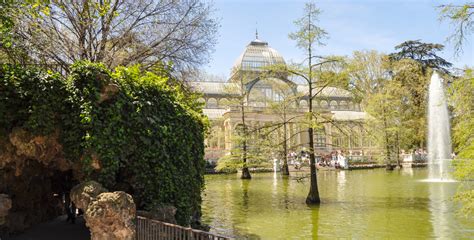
{"points": [[361, 204]]}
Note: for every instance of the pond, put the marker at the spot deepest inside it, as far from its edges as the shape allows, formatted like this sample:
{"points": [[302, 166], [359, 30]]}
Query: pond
{"points": [[359, 204]]}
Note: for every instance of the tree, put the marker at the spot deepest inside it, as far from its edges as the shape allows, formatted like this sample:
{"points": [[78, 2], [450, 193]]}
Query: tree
{"points": [[283, 107], [462, 99], [367, 71], [10, 11], [462, 17], [387, 122], [394, 93], [307, 37], [239, 91], [424, 53], [414, 80], [119, 32]]}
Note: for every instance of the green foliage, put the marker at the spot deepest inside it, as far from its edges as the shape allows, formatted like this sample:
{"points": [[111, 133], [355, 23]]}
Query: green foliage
{"points": [[257, 153], [147, 140], [368, 71], [397, 106], [31, 99], [423, 53], [308, 32], [10, 12], [461, 95], [462, 17]]}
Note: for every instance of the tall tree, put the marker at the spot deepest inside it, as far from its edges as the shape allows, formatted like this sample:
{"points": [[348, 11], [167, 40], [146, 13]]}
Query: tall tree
{"points": [[414, 80], [367, 71], [462, 17], [120, 32], [461, 95], [388, 123], [307, 37], [283, 105], [239, 101], [424, 53]]}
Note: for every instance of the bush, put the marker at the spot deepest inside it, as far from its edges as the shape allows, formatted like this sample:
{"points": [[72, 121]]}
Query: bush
{"points": [[145, 138]]}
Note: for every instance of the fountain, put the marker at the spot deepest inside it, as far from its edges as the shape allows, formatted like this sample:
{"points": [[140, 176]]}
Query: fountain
{"points": [[439, 136]]}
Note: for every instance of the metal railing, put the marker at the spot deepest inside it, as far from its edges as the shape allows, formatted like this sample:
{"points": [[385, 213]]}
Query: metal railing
{"points": [[149, 229]]}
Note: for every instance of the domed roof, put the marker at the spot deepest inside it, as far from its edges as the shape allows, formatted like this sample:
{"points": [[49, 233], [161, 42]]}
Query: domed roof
{"points": [[256, 56]]}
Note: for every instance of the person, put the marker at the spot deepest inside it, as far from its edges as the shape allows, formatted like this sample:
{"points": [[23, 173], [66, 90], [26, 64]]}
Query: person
{"points": [[342, 161], [70, 209]]}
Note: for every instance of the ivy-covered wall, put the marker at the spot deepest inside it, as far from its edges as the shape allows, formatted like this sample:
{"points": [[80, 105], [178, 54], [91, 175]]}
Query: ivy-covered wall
{"points": [[128, 129]]}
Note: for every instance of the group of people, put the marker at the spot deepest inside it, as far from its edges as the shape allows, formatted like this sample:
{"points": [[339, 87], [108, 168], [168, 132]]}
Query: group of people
{"points": [[298, 159], [335, 159]]}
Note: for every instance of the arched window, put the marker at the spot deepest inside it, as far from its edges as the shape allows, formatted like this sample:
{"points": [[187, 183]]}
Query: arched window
{"points": [[201, 100], [323, 104], [303, 104], [333, 105], [211, 103], [224, 102], [343, 105], [351, 106]]}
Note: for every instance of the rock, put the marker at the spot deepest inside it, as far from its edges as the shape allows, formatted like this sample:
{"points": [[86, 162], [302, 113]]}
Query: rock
{"points": [[83, 194], [95, 164], [111, 216], [5, 205], [108, 91], [163, 214], [7, 153], [45, 149]]}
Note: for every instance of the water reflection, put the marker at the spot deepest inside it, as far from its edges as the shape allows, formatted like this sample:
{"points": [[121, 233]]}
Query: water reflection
{"points": [[245, 194], [372, 204], [315, 222], [441, 207]]}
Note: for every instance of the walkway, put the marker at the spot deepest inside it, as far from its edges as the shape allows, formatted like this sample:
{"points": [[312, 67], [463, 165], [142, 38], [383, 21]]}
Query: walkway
{"points": [[58, 229]]}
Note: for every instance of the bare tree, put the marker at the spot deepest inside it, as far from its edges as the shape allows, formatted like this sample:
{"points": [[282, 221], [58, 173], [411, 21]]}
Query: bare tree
{"points": [[120, 32]]}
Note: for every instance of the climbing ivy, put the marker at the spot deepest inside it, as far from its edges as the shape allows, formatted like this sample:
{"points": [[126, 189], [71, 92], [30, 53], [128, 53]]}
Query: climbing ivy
{"points": [[145, 138]]}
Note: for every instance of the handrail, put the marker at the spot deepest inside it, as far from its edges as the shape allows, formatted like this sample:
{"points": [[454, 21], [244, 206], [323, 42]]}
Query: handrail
{"points": [[150, 229]]}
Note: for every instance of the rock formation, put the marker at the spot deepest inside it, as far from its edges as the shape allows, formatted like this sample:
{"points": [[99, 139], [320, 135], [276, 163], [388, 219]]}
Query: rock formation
{"points": [[34, 174], [111, 216], [83, 194]]}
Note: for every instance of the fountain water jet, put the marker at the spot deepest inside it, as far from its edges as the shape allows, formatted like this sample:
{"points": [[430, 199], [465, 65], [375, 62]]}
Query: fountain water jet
{"points": [[439, 134]]}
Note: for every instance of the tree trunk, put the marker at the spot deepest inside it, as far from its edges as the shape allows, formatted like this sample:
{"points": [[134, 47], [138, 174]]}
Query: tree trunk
{"points": [[245, 173], [398, 151], [388, 166], [284, 168], [245, 169], [313, 195]]}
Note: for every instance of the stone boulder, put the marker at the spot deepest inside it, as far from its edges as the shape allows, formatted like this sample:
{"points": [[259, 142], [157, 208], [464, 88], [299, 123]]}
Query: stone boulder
{"points": [[108, 91], [83, 194], [5, 205], [165, 213], [111, 216]]}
